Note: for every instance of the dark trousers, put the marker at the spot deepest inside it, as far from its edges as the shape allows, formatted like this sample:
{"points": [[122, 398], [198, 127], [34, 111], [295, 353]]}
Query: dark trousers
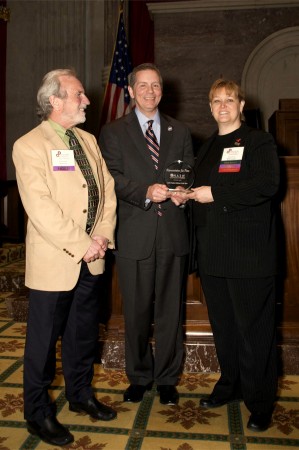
{"points": [[152, 292], [242, 316], [73, 316]]}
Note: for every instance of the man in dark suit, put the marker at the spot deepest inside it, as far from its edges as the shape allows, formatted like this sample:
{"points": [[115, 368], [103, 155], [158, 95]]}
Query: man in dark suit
{"points": [[152, 237]]}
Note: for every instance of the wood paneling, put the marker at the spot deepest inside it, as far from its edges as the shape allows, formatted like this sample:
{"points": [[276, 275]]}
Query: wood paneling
{"points": [[284, 125], [288, 240], [197, 326]]}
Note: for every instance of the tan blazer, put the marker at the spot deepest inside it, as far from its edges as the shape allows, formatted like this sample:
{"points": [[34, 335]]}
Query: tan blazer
{"points": [[56, 203]]}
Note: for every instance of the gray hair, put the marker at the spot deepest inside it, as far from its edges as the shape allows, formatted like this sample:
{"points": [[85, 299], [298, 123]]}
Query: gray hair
{"points": [[144, 66], [51, 86]]}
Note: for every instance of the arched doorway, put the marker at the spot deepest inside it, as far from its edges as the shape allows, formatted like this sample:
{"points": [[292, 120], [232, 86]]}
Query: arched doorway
{"points": [[271, 72]]}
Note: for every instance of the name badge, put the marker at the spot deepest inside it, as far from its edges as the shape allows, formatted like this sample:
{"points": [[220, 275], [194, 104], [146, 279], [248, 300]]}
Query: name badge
{"points": [[231, 159], [63, 160]]}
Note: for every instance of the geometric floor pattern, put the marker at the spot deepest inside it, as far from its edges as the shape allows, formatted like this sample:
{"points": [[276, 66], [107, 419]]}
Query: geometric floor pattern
{"points": [[144, 426]]}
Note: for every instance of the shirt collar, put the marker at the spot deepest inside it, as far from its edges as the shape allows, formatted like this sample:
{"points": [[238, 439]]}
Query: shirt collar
{"points": [[143, 119]]}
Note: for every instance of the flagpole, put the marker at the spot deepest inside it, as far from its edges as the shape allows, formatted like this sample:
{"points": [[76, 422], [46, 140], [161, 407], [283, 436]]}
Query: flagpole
{"points": [[117, 101]]}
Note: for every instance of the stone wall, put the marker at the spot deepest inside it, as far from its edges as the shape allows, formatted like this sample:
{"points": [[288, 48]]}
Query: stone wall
{"points": [[46, 35], [197, 42]]}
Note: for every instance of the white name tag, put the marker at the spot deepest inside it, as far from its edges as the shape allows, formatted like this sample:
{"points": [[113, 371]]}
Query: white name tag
{"points": [[231, 159], [232, 154], [63, 159]]}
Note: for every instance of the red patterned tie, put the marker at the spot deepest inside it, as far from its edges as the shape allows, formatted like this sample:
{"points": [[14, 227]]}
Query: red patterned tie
{"points": [[152, 143]]}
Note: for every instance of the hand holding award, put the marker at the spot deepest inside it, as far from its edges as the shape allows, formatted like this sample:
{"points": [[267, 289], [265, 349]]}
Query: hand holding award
{"points": [[179, 176]]}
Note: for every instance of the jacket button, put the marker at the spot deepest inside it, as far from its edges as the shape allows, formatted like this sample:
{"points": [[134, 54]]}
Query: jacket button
{"points": [[224, 208], [84, 185], [85, 211]]}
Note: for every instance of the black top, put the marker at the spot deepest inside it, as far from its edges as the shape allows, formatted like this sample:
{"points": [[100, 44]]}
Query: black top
{"points": [[210, 160], [236, 232]]}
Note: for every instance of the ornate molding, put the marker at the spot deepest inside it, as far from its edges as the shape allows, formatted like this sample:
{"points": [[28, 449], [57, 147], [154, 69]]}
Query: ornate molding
{"points": [[279, 49], [214, 5], [4, 13], [287, 38]]}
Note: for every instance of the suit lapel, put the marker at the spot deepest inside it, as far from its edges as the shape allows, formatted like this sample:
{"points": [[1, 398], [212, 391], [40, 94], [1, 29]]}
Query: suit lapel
{"points": [[56, 142], [50, 135], [92, 158], [136, 134], [167, 133], [138, 139], [94, 164]]}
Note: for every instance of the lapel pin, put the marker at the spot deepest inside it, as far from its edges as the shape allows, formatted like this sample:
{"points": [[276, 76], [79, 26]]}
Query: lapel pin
{"points": [[169, 128]]}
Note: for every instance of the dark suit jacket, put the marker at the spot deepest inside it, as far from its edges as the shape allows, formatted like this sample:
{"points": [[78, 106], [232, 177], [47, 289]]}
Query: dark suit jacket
{"points": [[124, 148], [239, 239]]}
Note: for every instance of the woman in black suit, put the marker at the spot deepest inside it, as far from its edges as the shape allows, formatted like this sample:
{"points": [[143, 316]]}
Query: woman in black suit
{"points": [[237, 176]]}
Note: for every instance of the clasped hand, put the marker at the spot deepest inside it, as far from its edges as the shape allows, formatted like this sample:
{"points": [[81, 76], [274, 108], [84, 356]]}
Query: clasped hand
{"points": [[97, 249]]}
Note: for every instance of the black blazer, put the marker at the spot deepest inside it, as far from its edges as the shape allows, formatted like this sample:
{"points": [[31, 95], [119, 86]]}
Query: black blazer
{"points": [[124, 148], [239, 238]]}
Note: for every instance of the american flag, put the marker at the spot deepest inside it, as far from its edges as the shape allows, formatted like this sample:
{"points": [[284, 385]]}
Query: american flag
{"points": [[117, 101]]}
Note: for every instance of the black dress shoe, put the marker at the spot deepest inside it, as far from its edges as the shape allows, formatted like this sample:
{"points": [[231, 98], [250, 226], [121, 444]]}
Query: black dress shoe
{"points": [[168, 394], [214, 402], [50, 431], [134, 393], [259, 421], [94, 409]]}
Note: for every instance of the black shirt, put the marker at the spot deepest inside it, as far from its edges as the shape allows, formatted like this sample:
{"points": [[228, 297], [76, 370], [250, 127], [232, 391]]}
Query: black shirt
{"points": [[211, 159]]}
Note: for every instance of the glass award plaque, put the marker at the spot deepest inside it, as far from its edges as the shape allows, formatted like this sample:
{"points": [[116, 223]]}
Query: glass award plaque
{"points": [[179, 176]]}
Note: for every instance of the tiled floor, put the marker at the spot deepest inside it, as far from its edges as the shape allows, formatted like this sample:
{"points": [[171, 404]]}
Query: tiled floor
{"points": [[145, 426]]}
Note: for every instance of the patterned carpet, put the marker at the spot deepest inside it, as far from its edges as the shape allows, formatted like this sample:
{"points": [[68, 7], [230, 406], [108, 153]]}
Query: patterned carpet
{"points": [[145, 426]]}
